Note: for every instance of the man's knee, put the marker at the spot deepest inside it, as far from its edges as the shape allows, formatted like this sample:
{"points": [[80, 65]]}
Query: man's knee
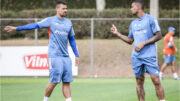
{"points": [[66, 84], [173, 63], [51, 85], [156, 81], [140, 81], [165, 64], [139, 86]]}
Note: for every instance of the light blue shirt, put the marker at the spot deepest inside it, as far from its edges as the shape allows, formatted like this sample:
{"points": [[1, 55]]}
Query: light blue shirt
{"points": [[61, 30], [141, 30]]}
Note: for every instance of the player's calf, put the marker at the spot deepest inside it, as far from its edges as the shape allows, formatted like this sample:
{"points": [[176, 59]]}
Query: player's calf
{"points": [[158, 87], [49, 90], [140, 87], [66, 91]]}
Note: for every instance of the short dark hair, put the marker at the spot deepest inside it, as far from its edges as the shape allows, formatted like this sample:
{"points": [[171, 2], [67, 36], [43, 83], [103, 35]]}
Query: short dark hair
{"points": [[60, 2], [140, 2]]}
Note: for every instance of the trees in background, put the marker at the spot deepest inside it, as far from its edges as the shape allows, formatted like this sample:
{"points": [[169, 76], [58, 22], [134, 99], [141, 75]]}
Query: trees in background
{"points": [[17, 5]]}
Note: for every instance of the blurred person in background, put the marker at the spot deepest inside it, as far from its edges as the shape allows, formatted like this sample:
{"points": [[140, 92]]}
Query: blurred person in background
{"points": [[169, 53]]}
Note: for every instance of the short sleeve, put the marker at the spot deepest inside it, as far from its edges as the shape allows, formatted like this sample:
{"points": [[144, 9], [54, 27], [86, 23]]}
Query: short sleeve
{"points": [[44, 23], [154, 25], [130, 32]]}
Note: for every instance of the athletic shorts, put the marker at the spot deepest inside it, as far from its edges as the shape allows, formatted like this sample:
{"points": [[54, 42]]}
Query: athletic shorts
{"points": [[169, 59], [60, 68], [148, 65]]}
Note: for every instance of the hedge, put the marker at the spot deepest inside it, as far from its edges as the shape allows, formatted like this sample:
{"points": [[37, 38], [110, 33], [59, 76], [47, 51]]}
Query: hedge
{"points": [[18, 5], [84, 13]]}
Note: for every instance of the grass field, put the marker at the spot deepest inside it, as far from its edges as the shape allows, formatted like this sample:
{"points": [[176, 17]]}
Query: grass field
{"points": [[85, 89]]}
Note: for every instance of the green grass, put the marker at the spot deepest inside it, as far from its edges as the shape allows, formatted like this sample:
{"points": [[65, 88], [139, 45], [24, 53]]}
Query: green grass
{"points": [[85, 89]]}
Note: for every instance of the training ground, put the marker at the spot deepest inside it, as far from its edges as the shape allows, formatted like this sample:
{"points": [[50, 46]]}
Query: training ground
{"points": [[111, 63]]}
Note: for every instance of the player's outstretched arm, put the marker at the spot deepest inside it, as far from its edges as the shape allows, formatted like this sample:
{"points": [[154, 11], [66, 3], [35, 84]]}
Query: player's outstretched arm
{"points": [[154, 39], [20, 28], [121, 36]]}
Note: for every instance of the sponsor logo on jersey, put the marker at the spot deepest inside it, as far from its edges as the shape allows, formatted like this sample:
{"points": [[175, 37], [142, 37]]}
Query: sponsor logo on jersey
{"points": [[59, 32], [141, 32]]}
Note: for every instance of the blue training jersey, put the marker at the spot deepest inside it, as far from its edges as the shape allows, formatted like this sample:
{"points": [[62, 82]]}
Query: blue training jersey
{"points": [[60, 31], [141, 30]]}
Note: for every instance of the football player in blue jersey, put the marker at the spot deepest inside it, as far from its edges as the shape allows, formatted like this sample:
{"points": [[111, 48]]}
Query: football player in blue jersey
{"points": [[144, 31], [60, 65]]}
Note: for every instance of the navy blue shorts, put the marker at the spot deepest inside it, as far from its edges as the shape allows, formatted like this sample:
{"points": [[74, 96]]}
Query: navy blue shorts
{"points": [[148, 65], [60, 68]]}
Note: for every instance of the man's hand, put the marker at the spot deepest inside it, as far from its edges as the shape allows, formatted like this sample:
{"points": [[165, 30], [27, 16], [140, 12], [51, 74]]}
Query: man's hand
{"points": [[140, 46], [76, 61], [121, 36], [10, 28], [114, 29]]}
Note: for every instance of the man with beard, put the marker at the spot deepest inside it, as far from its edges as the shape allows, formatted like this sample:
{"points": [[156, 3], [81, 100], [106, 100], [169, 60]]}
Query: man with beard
{"points": [[60, 65], [144, 32]]}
